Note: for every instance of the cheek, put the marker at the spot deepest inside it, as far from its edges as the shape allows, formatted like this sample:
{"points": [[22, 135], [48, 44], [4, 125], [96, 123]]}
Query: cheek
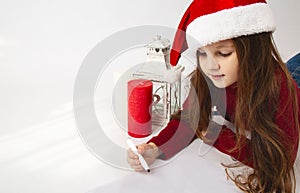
{"points": [[231, 69], [235, 71], [202, 64], [204, 69]]}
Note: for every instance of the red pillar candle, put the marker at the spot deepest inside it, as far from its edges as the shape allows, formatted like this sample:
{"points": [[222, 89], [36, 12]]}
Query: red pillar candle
{"points": [[139, 107]]}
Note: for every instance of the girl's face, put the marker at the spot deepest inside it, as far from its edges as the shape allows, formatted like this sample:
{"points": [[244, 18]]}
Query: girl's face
{"points": [[219, 63]]}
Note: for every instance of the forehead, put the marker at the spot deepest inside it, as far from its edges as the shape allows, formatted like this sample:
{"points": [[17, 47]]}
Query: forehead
{"points": [[220, 44]]}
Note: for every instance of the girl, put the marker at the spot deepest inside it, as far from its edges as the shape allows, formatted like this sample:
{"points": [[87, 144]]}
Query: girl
{"points": [[240, 72]]}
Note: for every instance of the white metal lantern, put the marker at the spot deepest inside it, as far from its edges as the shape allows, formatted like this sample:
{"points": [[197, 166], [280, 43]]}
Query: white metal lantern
{"points": [[166, 80]]}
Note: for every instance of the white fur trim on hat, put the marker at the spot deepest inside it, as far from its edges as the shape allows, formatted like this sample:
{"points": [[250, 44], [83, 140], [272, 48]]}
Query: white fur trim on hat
{"points": [[230, 23]]}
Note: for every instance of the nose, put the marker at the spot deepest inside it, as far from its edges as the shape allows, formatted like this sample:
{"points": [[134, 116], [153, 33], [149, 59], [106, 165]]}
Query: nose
{"points": [[212, 64]]}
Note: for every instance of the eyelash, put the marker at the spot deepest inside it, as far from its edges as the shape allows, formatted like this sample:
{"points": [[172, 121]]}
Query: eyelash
{"points": [[224, 55], [219, 53]]}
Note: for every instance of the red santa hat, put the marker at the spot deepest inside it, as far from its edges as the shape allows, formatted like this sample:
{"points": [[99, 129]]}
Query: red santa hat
{"points": [[210, 21]]}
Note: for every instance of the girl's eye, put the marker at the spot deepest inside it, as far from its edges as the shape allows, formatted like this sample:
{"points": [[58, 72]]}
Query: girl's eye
{"points": [[225, 54], [201, 53]]}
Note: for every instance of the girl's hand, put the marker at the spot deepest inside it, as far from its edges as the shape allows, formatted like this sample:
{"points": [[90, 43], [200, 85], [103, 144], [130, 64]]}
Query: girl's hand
{"points": [[149, 151]]}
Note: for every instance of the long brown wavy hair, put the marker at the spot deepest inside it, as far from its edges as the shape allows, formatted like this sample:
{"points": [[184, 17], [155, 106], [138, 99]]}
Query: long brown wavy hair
{"points": [[258, 89]]}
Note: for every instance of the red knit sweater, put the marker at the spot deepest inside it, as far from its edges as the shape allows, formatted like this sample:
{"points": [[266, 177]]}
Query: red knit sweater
{"points": [[177, 135]]}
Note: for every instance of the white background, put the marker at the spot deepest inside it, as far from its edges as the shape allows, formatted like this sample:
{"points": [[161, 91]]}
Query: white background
{"points": [[42, 45]]}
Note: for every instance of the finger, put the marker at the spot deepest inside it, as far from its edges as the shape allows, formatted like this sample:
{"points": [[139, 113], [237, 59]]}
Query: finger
{"points": [[136, 166], [139, 168], [143, 147], [147, 146], [133, 161], [131, 154]]}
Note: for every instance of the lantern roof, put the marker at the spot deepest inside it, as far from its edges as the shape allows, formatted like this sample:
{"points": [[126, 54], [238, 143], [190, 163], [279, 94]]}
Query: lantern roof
{"points": [[159, 42]]}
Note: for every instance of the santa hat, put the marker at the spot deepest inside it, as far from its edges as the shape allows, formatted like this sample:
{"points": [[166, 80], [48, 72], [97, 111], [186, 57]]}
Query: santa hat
{"points": [[210, 21]]}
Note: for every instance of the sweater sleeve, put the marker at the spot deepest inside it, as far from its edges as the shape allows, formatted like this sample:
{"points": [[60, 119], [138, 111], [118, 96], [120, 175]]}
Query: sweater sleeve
{"points": [[227, 141], [173, 138], [177, 134]]}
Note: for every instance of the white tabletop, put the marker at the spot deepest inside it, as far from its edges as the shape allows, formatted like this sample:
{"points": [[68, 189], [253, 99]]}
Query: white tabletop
{"points": [[195, 169], [188, 172]]}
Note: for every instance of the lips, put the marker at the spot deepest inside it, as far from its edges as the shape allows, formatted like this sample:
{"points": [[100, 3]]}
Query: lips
{"points": [[217, 76]]}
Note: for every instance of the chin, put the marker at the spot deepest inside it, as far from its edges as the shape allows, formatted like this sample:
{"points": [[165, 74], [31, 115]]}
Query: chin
{"points": [[220, 84]]}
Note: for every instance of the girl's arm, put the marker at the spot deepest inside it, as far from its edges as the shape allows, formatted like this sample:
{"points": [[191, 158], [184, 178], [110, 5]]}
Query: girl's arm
{"points": [[227, 141], [177, 135], [173, 138]]}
